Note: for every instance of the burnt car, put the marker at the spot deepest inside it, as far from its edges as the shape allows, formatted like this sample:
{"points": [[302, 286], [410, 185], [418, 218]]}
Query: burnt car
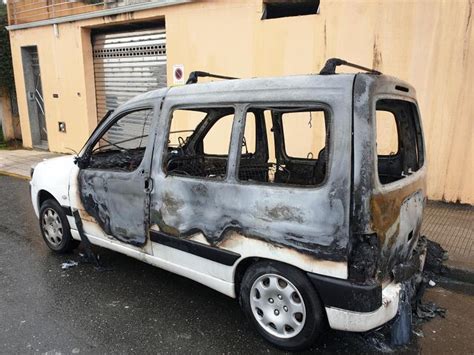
{"points": [[286, 193]]}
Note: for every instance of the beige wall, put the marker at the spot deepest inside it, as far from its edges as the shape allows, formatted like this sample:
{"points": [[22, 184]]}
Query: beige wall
{"points": [[62, 72], [10, 123], [427, 43]]}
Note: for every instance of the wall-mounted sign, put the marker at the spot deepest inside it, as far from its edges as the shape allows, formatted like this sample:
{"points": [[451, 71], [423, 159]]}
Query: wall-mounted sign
{"points": [[178, 74]]}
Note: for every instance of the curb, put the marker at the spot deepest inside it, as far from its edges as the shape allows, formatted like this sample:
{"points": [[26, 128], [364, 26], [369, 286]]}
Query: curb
{"points": [[18, 176], [460, 272]]}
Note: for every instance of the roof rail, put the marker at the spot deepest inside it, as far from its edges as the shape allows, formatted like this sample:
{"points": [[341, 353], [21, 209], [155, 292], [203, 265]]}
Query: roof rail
{"points": [[331, 64], [194, 75]]}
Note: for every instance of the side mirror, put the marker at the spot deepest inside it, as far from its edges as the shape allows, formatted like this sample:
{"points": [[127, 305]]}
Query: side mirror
{"points": [[81, 162]]}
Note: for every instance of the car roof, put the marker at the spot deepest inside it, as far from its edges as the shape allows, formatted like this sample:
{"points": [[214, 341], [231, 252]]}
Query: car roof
{"points": [[253, 85], [250, 85]]}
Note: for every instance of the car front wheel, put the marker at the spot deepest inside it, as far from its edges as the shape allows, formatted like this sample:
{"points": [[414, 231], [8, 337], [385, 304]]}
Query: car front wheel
{"points": [[282, 304], [55, 227]]}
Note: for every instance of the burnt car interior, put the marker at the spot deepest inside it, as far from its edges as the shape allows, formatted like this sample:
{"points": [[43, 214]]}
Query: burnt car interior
{"points": [[279, 145], [123, 145], [403, 155]]}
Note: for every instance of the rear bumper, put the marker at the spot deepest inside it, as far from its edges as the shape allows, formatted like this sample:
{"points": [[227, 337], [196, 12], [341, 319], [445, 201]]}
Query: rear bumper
{"points": [[358, 308], [343, 319], [355, 307]]}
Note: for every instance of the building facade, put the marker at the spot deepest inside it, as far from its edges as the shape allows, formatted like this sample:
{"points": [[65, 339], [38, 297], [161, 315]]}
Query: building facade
{"points": [[74, 60]]}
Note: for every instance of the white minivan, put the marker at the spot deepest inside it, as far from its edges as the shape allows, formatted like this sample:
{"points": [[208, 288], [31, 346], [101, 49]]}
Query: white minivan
{"points": [[275, 191]]}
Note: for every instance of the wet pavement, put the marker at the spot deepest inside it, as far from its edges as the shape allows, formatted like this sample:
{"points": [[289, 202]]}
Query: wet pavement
{"points": [[137, 308]]}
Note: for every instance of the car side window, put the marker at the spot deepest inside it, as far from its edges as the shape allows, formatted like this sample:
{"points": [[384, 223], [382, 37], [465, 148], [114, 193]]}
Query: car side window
{"points": [[122, 146], [399, 142], [199, 142], [386, 128], [291, 146], [217, 139]]}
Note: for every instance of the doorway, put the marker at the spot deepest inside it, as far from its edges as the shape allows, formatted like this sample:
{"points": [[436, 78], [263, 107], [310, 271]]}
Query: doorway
{"points": [[34, 96]]}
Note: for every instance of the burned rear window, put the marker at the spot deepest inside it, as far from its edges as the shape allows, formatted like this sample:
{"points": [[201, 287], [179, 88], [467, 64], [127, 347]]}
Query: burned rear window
{"points": [[399, 141]]}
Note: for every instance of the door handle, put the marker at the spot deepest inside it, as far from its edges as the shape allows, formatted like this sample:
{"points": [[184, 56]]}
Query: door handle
{"points": [[148, 185]]}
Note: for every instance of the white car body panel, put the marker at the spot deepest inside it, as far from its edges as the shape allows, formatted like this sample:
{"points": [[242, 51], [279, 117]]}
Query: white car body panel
{"points": [[342, 319], [52, 175]]}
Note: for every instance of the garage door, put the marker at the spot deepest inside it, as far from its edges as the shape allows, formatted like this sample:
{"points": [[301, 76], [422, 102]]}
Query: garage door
{"points": [[127, 64]]}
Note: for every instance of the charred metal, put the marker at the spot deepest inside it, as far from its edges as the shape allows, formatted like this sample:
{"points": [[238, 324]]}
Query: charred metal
{"points": [[342, 202], [268, 189]]}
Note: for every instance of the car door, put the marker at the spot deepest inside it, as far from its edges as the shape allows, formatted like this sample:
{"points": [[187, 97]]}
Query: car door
{"points": [[113, 181], [190, 176]]}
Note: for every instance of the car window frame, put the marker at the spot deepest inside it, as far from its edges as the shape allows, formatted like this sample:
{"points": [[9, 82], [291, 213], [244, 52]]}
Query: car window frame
{"points": [[96, 136], [283, 150], [419, 137], [166, 133], [329, 141], [398, 133]]}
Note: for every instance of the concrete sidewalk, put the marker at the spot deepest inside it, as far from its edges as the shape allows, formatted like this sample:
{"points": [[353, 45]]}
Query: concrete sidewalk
{"points": [[450, 225], [18, 162]]}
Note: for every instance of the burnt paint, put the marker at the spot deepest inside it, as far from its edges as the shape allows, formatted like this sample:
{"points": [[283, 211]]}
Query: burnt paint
{"points": [[117, 202], [394, 212], [313, 222], [310, 221]]}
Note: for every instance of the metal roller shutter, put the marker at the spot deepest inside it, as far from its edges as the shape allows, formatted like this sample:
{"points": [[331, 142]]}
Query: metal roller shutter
{"points": [[127, 64]]}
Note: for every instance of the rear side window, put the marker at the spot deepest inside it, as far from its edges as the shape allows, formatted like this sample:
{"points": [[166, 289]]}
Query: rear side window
{"points": [[291, 146], [304, 133], [387, 128], [399, 140]]}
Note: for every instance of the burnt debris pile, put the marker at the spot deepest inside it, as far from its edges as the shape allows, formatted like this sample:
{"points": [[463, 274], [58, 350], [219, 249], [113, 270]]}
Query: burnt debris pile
{"points": [[412, 311], [435, 256], [434, 267]]}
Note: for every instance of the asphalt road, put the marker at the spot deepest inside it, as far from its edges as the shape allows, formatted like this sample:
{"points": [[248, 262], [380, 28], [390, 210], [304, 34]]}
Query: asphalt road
{"points": [[137, 308]]}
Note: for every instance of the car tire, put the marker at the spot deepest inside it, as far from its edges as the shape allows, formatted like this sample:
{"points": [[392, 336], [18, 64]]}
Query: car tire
{"points": [[55, 228], [282, 304]]}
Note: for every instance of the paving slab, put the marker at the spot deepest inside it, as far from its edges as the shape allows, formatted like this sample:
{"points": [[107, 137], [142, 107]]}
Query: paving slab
{"points": [[19, 161], [452, 226]]}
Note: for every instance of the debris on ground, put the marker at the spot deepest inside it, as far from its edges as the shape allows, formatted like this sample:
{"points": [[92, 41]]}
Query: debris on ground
{"points": [[69, 264], [378, 340], [401, 327], [429, 310], [418, 333], [435, 256], [412, 310]]}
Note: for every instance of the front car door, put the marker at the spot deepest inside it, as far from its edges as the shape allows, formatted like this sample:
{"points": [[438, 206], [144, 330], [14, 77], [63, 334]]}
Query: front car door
{"points": [[113, 182]]}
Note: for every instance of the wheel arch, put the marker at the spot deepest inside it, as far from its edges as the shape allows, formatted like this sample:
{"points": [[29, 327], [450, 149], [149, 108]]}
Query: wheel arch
{"points": [[44, 195], [245, 263], [240, 270]]}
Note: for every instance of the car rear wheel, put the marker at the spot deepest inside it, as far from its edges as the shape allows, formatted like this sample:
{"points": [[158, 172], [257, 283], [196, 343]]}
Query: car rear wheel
{"points": [[282, 304], [55, 228]]}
